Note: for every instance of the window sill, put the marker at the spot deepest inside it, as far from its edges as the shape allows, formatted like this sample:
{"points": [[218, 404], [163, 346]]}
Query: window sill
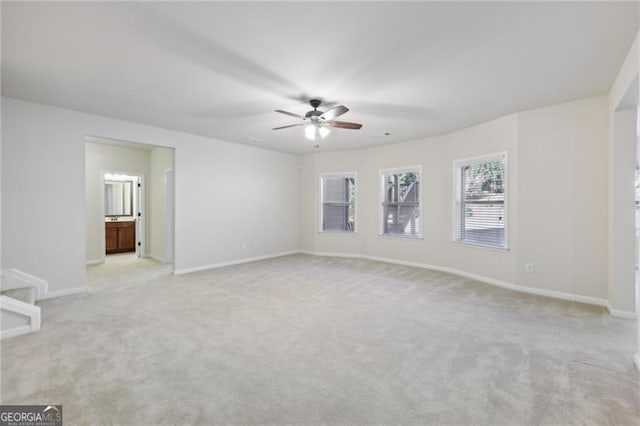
{"points": [[401, 237], [482, 246]]}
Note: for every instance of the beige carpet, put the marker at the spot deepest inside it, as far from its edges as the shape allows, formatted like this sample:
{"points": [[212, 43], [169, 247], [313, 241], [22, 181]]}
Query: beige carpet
{"points": [[312, 340]]}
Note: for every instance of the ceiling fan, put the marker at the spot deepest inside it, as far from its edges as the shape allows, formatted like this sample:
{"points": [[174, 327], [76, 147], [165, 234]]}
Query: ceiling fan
{"points": [[317, 122]]}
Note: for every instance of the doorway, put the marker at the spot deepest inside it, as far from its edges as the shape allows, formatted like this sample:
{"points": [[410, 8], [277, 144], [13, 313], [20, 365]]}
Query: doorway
{"points": [[124, 213], [129, 203]]}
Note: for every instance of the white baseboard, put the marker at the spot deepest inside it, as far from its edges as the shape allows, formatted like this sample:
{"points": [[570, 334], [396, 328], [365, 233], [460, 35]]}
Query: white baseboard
{"points": [[621, 314], [531, 290], [636, 359], [16, 331], [325, 254], [232, 262], [156, 258], [65, 292], [523, 289], [94, 262]]}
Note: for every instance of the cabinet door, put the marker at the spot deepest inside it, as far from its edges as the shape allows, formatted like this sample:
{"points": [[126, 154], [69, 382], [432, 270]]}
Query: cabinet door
{"points": [[111, 239], [127, 238]]}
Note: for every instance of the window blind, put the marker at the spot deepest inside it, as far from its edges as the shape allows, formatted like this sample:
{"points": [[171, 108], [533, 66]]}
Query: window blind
{"points": [[338, 203], [481, 202], [401, 203]]}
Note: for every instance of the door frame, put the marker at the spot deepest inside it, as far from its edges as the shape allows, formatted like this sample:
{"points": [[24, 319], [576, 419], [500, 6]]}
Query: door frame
{"points": [[170, 194], [140, 220]]}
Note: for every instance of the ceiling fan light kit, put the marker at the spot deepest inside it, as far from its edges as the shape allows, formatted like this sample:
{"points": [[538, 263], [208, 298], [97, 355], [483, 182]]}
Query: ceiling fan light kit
{"points": [[323, 132], [312, 130], [317, 122]]}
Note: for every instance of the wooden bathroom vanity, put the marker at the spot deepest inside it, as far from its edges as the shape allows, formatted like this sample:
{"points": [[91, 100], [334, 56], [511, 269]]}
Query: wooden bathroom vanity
{"points": [[120, 237]]}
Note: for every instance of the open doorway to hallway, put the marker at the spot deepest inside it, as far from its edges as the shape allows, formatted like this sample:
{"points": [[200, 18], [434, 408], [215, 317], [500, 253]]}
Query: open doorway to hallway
{"points": [[129, 202]]}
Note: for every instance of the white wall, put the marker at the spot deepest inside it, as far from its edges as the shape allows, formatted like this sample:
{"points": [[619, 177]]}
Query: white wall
{"points": [[101, 159], [161, 159], [622, 146], [623, 100], [557, 210], [436, 156], [232, 201], [619, 170], [627, 74], [235, 201], [43, 214], [622, 275], [563, 195]]}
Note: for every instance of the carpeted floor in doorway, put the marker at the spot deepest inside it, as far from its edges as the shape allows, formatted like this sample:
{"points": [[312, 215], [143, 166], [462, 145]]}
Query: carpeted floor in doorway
{"points": [[314, 340]]}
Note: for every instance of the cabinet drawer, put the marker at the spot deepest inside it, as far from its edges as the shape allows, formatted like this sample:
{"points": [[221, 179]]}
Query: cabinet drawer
{"points": [[111, 225]]}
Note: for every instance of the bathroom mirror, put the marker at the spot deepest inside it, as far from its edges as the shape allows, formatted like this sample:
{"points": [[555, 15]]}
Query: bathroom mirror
{"points": [[118, 198]]}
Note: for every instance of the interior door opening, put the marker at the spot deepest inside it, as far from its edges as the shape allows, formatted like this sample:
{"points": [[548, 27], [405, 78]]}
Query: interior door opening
{"points": [[129, 203], [124, 213]]}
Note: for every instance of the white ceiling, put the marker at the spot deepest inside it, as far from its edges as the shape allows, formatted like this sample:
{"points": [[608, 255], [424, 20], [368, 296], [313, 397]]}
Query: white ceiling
{"points": [[220, 69]]}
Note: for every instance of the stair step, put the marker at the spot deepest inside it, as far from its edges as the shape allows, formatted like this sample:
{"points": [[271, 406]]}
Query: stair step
{"points": [[25, 294]]}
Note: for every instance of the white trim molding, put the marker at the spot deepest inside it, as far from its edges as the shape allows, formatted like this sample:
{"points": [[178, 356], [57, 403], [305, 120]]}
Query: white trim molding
{"points": [[14, 279], [65, 292], [232, 262], [16, 331], [324, 254], [458, 165], [28, 310], [621, 314], [156, 258], [520, 288], [510, 286], [382, 173], [345, 175], [94, 262]]}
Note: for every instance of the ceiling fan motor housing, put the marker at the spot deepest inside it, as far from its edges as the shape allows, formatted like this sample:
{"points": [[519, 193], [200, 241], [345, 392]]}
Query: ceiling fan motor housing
{"points": [[315, 103], [313, 114]]}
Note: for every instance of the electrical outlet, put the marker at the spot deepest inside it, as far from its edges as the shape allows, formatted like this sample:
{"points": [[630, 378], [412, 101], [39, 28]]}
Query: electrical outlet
{"points": [[529, 267]]}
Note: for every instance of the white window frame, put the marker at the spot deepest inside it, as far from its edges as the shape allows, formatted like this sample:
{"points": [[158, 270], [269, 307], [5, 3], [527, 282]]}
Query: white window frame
{"points": [[322, 176], [381, 199], [457, 165]]}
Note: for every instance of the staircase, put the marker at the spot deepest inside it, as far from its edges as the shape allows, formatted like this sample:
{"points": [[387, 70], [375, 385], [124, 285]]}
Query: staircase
{"points": [[19, 292]]}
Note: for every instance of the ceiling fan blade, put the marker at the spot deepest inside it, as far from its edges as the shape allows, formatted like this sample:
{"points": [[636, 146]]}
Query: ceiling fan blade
{"points": [[290, 114], [290, 125], [334, 112], [344, 125]]}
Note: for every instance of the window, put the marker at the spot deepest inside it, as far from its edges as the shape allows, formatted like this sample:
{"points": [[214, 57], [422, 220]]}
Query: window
{"points": [[338, 199], [480, 213], [400, 190]]}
